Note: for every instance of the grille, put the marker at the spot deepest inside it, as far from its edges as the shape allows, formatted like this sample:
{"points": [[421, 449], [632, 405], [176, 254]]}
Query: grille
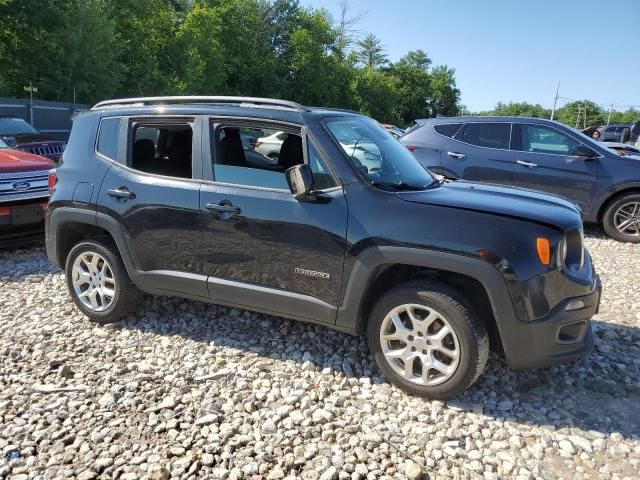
{"points": [[48, 151], [24, 185]]}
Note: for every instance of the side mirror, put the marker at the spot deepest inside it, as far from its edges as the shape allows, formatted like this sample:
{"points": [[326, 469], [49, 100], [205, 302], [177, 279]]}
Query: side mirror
{"points": [[583, 152], [300, 180]]}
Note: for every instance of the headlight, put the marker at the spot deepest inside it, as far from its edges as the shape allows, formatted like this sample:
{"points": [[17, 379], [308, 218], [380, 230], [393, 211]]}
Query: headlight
{"points": [[572, 249], [562, 252]]}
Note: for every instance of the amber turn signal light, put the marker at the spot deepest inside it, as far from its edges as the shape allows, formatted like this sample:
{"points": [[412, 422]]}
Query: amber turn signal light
{"points": [[544, 250]]}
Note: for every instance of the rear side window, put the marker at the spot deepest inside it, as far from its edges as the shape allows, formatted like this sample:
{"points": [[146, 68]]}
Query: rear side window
{"points": [[447, 129], [490, 135], [108, 137], [162, 148]]}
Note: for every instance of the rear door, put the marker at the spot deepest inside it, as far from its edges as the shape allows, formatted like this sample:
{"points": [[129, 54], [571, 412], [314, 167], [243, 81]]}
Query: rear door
{"points": [[544, 162], [153, 193], [480, 151]]}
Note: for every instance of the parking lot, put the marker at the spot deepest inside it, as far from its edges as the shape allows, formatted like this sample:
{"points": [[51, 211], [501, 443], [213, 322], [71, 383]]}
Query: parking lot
{"points": [[186, 390]]}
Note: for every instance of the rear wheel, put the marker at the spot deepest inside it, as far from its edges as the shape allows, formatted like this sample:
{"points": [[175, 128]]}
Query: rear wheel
{"points": [[621, 219], [98, 282], [426, 340]]}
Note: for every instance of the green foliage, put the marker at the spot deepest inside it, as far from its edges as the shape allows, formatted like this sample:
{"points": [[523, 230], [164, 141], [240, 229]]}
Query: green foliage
{"points": [[277, 48], [521, 109], [371, 52], [573, 114]]}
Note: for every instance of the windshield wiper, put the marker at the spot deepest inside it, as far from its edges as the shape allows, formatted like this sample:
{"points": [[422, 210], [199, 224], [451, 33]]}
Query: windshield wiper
{"points": [[398, 185]]}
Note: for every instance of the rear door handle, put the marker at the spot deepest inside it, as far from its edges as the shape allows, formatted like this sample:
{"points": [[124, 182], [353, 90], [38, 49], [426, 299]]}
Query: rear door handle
{"points": [[223, 208], [456, 155], [121, 193], [526, 164]]}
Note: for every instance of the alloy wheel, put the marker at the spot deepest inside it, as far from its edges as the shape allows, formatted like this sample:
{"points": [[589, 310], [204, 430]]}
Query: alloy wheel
{"points": [[626, 219], [420, 344], [93, 281]]}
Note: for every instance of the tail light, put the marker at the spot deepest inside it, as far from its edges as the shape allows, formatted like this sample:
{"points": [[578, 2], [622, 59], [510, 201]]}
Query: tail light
{"points": [[411, 148], [53, 179]]}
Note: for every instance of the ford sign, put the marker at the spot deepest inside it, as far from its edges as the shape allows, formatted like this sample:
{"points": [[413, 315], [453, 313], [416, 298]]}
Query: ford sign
{"points": [[21, 185]]}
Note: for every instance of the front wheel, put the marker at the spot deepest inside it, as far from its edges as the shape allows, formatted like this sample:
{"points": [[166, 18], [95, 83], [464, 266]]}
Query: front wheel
{"points": [[621, 219], [426, 340], [98, 282]]}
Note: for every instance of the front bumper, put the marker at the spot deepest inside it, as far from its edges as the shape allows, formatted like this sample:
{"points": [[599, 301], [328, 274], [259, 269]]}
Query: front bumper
{"points": [[560, 336], [22, 223]]}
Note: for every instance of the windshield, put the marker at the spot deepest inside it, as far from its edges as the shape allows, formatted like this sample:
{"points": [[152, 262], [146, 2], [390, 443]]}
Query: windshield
{"points": [[15, 126], [383, 160]]}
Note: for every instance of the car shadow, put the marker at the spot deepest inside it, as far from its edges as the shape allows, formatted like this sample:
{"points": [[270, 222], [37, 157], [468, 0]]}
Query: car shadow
{"points": [[599, 394]]}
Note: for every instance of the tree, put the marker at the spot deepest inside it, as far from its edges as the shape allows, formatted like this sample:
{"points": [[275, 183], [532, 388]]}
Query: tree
{"points": [[520, 109], [582, 114], [345, 31], [375, 94], [413, 86], [445, 95], [416, 58], [371, 53]]}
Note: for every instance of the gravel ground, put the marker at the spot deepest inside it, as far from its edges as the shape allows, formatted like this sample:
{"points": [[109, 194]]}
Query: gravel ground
{"points": [[188, 390]]}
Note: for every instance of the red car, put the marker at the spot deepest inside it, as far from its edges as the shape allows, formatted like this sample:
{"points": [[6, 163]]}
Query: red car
{"points": [[24, 193]]}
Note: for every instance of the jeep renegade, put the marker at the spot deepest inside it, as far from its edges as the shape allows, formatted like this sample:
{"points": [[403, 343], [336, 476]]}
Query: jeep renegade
{"points": [[342, 227]]}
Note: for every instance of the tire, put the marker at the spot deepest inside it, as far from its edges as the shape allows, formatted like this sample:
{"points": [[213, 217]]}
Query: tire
{"points": [[619, 211], [469, 338], [115, 295], [624, 136]]}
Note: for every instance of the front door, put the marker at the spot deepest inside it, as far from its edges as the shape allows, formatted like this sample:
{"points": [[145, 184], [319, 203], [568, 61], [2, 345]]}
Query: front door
{"points": [[264, 249], [544, 162]]}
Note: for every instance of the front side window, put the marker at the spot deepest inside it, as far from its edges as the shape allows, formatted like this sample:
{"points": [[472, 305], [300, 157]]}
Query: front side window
{"points": [[108, 137], [3, 145], [259, 156], [162, 149], [539, 139], [490, 135], [381, 159]]}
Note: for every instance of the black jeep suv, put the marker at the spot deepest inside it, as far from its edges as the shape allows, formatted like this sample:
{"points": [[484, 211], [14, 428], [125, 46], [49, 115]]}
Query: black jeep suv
{"points": [[343, 228]]}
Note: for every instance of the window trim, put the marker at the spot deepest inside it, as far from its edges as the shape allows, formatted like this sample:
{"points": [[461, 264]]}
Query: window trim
{"points": [[580, 142], [211, 124], [480, 146]]}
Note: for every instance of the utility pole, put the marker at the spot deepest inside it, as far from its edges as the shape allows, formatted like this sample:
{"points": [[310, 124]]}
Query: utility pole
{"points": [[555, 101], [578, 117], [609, 116], [585, 115], [31, 89]]}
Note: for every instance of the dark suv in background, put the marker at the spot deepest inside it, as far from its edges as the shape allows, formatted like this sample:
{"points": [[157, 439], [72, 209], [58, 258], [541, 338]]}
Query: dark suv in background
{"points": [[19, 134], [343, 227], [537, 154]]}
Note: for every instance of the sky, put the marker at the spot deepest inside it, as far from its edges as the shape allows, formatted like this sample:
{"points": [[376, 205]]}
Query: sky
{"points": [[516, 50]]}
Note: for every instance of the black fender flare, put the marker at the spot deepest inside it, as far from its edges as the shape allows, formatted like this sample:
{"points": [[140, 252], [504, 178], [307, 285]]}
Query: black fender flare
{"points": [[350, 313]]}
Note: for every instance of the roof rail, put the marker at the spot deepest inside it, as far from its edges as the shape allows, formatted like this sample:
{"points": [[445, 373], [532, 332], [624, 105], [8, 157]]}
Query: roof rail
{"points": [[243, 101]]}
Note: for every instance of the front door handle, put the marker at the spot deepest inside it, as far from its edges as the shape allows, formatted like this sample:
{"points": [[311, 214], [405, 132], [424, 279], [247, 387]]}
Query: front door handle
{"points": [[121, 193], [456, 155], [527, 164], [223, 208]]}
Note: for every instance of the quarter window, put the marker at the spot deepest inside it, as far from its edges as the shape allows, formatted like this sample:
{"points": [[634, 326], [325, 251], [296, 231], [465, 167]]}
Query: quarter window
{"points": [[447, 129], [539, 139], [108, 137], [162, 149], [490, 135]]}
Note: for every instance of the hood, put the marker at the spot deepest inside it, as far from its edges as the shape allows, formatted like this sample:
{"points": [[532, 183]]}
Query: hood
{"points": [[16, 161], [513, 202], [26, 138]]}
